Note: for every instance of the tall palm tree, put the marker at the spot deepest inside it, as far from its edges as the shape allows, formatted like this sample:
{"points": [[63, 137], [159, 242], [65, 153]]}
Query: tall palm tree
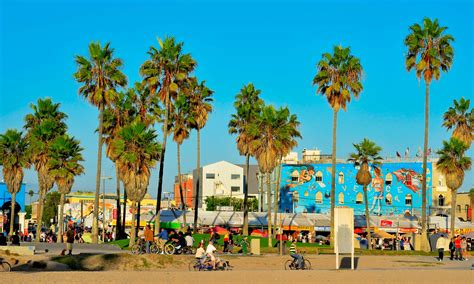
{"points": [[338, 78], [248, 106], [182, 120], [272, 131], [43, 126], [429, 53], [100, 77], [137, 152], [367, 153], [13, 158], [66, 155], [201, 98], [285, 150], [461, 118], [164, 73], [453, 163]]}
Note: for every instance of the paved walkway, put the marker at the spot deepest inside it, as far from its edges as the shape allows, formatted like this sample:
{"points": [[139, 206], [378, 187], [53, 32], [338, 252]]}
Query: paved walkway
{"points": [[56, 248]]}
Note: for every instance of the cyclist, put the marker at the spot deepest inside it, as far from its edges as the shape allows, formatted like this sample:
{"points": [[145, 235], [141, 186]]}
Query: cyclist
{"points": [[189, 240], [162, 239], [210, 250], [295, 255], [200, 253]]}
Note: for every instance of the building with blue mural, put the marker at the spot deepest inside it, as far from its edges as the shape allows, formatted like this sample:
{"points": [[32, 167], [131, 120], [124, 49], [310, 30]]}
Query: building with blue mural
{"points": [[395, 188]]}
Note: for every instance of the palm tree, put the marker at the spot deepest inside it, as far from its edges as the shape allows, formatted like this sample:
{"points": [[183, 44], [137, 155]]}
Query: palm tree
{"points": [[201, 99], [367, 153], [248, 106], [13, 158], [338, 79], [64, 166], [100, 77], [453, 163], [271, 132], [429, 53], [43, 126], [182, 120], [136, 151], [163, 73], [461, 119]]}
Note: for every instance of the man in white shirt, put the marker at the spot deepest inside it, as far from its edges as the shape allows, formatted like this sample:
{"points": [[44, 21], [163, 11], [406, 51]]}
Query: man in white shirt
{"points": [[210, 252]]}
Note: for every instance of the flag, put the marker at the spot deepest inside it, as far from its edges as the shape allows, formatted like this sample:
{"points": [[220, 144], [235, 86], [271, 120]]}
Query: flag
{"points": [[407, 152], [429, 152], [418, 154], [398, 155]]}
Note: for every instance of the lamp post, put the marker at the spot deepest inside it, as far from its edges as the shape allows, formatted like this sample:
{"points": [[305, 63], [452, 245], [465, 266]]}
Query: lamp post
{"points": [[104, 178]]}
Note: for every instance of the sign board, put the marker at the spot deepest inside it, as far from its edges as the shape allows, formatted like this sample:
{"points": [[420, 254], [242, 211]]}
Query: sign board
{"points": [[344, 233], [225, 208]]}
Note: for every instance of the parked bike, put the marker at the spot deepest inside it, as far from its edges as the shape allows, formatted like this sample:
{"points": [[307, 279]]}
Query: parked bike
{"points": [[5, 266]]}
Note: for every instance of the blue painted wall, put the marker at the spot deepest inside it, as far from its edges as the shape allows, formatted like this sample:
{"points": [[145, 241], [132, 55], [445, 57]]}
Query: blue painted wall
{"points": [[5, 196], [309, 181]]}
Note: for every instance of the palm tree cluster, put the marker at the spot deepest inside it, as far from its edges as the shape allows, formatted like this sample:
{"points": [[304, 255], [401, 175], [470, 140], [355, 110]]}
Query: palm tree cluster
{"points": [[265, 133], [453, 161], [168, 96], [47, 147]]}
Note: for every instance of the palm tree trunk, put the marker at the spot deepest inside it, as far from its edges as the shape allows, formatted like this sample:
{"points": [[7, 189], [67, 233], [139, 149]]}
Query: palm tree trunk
{"points": [[367, 219], [181, 196], [269, 205], [39, 214], [277, 198], [61, 218], [95, 223], [333, 174], [118, 221], [12, 212], [132, 232], [138, 218], [453, 212], [162, 166], [124, 215], [246, 197], [196, 189], [424, 235]]}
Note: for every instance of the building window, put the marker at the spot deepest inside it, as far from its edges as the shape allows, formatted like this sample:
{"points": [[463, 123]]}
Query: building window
{"points": [[459, 208], [319, 197], [210, 176], [340, 178], [235, 188], [441, 181], [294, 176], [340, 198], [440, 200], [235, 176], [294, 179], [388, 179], [388, 199], [359, 198], [319, 176], [408, 199]]}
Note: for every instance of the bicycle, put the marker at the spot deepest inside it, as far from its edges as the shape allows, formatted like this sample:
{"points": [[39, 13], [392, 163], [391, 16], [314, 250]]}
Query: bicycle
{"points": [[205, 265], [161, 246], [290, 264], [5, 266]]}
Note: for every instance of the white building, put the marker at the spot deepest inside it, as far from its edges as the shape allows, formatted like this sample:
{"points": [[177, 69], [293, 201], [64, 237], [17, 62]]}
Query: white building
{"points": [[291, 158], [221, 179]]}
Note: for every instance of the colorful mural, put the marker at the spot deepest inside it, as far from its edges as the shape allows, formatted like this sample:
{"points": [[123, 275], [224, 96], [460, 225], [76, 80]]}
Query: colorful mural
{"points": [[395, 188]]}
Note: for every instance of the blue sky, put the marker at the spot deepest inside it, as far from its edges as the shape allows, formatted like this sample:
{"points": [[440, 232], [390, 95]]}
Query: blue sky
{"points": [[274, 44]]}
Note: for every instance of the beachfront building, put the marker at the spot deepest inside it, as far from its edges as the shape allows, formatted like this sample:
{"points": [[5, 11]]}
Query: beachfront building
{"points": [[6, 207], [464, 205], [187, 186], [395, 189]]}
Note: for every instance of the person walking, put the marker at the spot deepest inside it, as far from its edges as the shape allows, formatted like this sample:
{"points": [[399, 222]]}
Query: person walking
{"points": [[464, 248], [69, 239], [440, 244], [452, 248], [148, 238], [457, 245]]}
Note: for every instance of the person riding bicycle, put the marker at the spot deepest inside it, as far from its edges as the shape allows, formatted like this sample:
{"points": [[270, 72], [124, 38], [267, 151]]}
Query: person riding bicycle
{"points": [[200, 253], [162, 239], [210, 250], [179, 241], [295, 255]]}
